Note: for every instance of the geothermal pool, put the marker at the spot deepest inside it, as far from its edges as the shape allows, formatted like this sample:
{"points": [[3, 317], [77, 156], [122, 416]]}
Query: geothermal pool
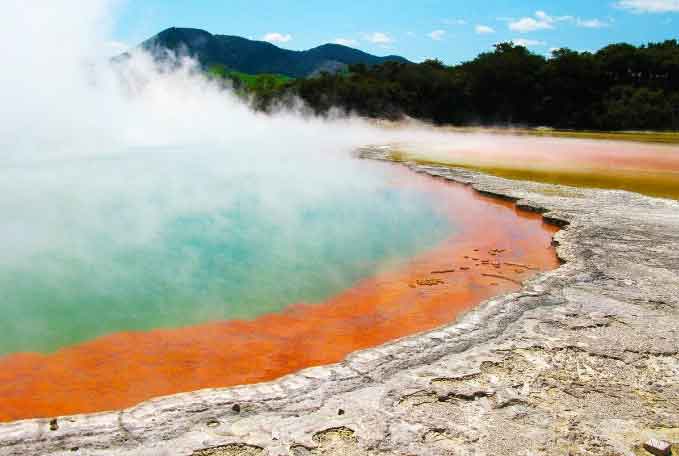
{"points": [[236, 259], [264, 278], [230, 295]]}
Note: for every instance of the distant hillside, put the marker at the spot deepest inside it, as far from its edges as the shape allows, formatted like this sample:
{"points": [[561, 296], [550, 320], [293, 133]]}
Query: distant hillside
{"points": [[257, 57]]}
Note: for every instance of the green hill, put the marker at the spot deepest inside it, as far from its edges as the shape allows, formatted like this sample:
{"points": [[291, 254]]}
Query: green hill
{"points": [[258, 57]]}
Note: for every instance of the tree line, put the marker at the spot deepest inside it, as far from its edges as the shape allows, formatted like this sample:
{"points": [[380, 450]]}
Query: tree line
{"points": [[620, 87]]}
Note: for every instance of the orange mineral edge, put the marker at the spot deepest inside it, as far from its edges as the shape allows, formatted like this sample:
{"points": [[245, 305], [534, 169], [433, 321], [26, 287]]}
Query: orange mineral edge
{"points": [[495, 248]]}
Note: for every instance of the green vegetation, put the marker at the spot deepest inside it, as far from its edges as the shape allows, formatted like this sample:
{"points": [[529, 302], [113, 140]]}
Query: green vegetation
{"points": [[265, 86], [619, 88], [251, 82]]}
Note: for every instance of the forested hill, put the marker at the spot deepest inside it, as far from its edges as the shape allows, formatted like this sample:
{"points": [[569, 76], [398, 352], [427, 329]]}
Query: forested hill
{"points": [[620, 87], [259, 57]]}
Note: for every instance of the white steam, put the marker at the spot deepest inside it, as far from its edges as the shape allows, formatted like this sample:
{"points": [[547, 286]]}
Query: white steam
{"points": [[80, 137], [101, 164]]}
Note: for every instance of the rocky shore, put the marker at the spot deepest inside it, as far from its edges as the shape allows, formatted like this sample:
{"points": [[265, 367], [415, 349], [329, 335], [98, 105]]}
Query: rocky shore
{"points": [[583, 360]]}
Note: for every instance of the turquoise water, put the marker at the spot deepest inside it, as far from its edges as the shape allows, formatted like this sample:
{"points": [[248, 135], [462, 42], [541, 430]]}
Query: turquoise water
{"points": [[185, 241]]}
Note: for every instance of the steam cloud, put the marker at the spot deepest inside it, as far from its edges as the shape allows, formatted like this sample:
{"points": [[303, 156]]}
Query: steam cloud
{"points": [[97, 160], [80, 136]]}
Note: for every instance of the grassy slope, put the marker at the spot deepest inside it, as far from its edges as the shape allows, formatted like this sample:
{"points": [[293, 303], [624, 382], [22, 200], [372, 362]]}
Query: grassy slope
{"points": [[255, 82]]}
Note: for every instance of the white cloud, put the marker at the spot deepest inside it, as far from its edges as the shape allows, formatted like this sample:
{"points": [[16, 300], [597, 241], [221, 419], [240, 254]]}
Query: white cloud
{"points": [[275, 37], [454, 21], [345, 41], [528, 24], [484, 30], [541, 21], [528, 43], [591, 23], [113, 48], [649, 6], [437, 35], [379, 38]]}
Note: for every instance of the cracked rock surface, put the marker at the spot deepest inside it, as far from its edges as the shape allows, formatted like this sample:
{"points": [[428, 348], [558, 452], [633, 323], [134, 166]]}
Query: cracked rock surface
{"points": [[583, 360]]}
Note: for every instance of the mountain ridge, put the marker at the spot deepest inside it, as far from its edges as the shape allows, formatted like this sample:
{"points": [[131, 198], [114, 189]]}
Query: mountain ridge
{"points": [[258, 57]]}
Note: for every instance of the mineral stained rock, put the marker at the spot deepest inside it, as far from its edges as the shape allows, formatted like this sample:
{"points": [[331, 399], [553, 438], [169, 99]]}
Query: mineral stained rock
{"points": [[583, 360]]}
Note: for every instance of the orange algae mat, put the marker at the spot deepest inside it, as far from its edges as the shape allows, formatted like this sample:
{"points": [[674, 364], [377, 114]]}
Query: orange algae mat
{"points": [[494, 248]]}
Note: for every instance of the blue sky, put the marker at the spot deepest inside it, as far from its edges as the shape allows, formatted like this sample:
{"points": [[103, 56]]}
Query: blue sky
{"points": [[451, 30]]}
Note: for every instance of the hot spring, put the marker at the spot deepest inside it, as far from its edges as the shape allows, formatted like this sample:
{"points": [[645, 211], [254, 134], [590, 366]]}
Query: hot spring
{"points": [[158, 236], [191, 240]]}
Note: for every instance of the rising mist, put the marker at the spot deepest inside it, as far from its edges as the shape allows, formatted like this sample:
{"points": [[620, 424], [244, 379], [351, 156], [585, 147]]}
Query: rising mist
{"points": [[133, 192]]}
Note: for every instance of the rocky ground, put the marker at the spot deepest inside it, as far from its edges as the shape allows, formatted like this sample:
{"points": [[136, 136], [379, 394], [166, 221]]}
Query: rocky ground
{"points": [[584, 360]]}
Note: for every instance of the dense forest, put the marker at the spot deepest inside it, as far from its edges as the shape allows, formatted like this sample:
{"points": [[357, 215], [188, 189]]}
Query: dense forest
{"points": [[620, 87]]}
